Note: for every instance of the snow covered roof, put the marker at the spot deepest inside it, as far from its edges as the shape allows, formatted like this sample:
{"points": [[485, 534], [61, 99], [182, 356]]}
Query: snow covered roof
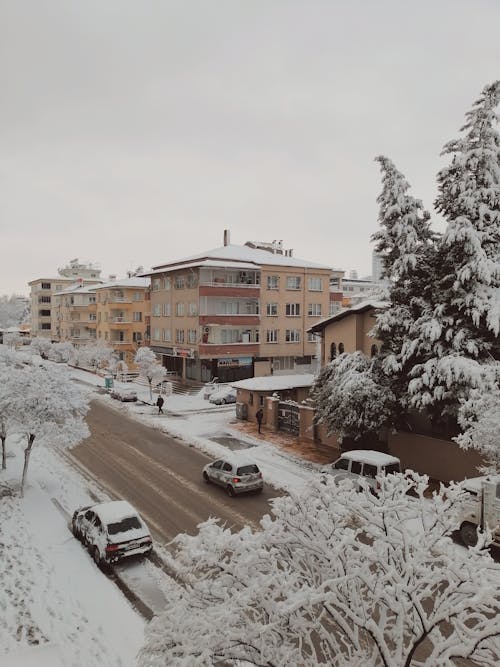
{"points": [[125, 282], [275, 382], [114, 511], [208, 263], [370, 456], [238, 253], [78, 289], [358, 308]]}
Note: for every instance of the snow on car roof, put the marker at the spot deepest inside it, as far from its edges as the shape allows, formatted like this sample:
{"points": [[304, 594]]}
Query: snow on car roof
{"points": [[237, 459], [370, 456], [114, 511]]}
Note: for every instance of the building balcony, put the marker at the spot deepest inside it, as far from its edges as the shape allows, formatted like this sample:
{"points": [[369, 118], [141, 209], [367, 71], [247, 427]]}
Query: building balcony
{"points": [[208, 350], [230, 289], [117, 299], [120, 342], [230, 319], [120, 320]]}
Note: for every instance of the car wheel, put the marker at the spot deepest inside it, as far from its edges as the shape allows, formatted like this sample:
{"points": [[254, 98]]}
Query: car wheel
{"points": [[230, 491], [468, 533], [96, 555], [206, 477]]}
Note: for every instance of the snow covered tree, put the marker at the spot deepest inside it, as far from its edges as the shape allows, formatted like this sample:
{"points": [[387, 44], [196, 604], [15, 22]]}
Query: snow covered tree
{"points": [[13, 311], [406, 244], [46, 406], [9, 360], [479, 418], [63, 351], [335, 577], [463, 323], [149, 368], [40, 345], [351, 396], [96, 355]]}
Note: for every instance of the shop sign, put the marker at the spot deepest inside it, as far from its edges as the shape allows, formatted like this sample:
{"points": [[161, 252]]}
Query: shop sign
{"points": [[233, 363]]}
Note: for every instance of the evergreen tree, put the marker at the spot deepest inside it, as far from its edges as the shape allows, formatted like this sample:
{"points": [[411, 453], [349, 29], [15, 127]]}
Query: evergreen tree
{"points": [[460, 331], [406, 244]]}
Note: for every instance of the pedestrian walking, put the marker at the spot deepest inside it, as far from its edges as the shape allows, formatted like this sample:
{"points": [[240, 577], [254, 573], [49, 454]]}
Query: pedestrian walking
{"points": [[259, 416], [159, 403]]}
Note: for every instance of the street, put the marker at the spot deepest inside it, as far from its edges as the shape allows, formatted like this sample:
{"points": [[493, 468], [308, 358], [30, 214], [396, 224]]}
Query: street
{"points": [[160, 476]]}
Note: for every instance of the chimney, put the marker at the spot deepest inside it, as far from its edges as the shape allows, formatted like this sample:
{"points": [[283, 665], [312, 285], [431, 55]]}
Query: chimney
{"points": [[227, 237]]}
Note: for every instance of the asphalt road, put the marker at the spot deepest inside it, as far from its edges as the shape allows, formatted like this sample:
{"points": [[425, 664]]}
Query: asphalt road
{"points": [[160, 476]]}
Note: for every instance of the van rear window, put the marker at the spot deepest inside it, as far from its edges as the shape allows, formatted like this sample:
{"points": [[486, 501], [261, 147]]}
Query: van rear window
{"points": [[122, 526]]}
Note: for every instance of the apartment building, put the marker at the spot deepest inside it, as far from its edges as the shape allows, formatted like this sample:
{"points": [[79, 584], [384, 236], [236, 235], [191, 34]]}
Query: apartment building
{"points": [[74, 315], [122, 316], [42, 290], [237, 311]]}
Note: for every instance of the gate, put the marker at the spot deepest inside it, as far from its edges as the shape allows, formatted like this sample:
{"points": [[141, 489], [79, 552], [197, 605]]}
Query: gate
{"points": [[288, 417]]}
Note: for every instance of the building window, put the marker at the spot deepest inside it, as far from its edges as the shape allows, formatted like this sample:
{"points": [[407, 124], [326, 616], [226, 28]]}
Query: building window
{"points": [[314, 310], [292, 336], [273, 282], [45, 326], [272, 336], [293, 282], [311, 337], [179, 335], [315, 284], [341, 348], [229, 336], [91, 299], [166, 282], [156, 333], [292, 309], [193, 309], [166, 310], [191, 335], [156, 310], [334, 307], [333, 351], [45, 285], [192, 280], [272, 309], [136, 336], [283, 363], [167, 335], [179, 282], [156, 284], [138, 296], [45, 299], [179, 309], [137, 317]]}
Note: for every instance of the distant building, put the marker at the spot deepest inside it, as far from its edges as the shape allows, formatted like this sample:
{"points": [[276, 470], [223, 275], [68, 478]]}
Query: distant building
{"points": [[43, 289]]}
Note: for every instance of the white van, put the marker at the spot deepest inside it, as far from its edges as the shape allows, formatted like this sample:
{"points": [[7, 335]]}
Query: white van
{"points": [[365, 463]]}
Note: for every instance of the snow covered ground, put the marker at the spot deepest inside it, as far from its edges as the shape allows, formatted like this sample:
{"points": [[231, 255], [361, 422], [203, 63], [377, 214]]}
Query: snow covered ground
{"points": [[57, 608]]}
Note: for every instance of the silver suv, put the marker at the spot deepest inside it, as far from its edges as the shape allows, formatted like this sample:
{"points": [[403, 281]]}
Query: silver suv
{"points": [[235, 474], [363, 463]]}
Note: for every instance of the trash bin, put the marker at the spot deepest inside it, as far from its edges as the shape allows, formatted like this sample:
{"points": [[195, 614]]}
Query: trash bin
{"points": [[108, 382]]}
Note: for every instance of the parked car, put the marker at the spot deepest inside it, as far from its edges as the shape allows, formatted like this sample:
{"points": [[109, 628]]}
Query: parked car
{"points": [[124, 395], [223, 395], [363, 463], [235, 474], [111, 531]]}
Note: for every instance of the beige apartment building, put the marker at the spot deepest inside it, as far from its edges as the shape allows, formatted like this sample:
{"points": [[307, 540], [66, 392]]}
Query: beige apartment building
{"points": [[122, 313], [74, 315], [237, 311], [348, 331], [42, 290]]}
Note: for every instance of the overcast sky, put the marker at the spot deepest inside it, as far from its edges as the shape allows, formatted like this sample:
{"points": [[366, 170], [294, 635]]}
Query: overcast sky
{"points": [[134, 132]]}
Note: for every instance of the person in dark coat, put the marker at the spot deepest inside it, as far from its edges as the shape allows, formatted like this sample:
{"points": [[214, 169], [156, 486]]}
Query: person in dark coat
{"points": [[259, 416], [159, 403]]}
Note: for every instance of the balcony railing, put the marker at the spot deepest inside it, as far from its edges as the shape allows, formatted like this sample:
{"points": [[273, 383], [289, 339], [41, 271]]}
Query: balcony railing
{"points": [[120, 320], [120, 342]]}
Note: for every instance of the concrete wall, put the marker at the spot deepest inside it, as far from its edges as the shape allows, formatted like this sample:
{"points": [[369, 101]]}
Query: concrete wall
{"points": [[440, 459], [262, 368]]}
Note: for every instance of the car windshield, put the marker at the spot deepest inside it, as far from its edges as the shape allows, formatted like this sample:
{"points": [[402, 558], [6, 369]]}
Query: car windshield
{"points": [[129, 523], [247, 470]]}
